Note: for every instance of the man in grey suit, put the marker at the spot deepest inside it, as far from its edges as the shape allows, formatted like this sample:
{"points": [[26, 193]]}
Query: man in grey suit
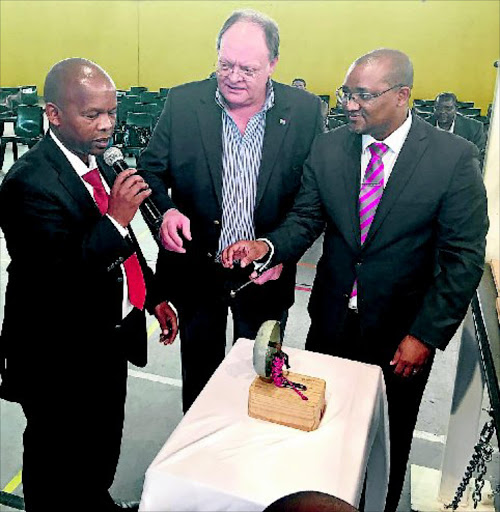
{"points": [[446, 117], [231, 150], [402, 255]]}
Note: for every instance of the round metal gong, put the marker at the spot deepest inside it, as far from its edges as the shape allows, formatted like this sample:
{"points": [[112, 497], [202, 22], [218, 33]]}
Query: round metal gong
{"points": [[267, 344]]}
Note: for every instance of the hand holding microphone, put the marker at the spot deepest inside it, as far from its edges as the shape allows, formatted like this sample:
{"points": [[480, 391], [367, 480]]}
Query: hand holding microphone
{"points": [[114, 158]]}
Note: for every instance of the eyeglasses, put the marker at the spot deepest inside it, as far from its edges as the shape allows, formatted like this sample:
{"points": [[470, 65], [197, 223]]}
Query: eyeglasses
{"points": [[360, 97], [226, 68]]}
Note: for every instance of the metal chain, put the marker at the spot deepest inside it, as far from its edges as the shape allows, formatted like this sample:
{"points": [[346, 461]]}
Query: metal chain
{"points": [[481, 456]]}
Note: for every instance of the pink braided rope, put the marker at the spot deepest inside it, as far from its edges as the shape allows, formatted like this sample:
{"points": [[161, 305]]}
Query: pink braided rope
{"points": [[279, 379]]}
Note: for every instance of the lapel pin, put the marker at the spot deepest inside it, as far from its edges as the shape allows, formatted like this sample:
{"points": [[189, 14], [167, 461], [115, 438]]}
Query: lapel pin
{"points": [[283, 121]]}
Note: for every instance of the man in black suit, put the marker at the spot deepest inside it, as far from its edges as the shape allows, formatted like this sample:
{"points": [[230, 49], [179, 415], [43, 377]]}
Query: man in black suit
{"points": [[446, 117], [405, 213], [74, 308], [231, 150]]}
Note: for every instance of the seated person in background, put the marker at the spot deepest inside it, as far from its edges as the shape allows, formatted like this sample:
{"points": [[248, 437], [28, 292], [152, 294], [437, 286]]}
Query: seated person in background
{"points": [[300, 83], [330, 122], [448, 119]]}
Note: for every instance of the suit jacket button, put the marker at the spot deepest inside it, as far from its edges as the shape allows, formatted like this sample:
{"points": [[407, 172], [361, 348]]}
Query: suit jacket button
{"points": [[119, 280], [210, 255], [117, 326], [216, 222]]}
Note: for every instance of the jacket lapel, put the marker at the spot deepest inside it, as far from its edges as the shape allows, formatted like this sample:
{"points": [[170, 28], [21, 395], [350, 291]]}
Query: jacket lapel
{"points": [[277, 123], [210, 121], [68, 178], [352, 176], [406, 163]]}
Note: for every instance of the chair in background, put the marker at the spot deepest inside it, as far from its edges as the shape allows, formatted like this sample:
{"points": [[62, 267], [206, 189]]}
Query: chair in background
{"points": [[465, 104], [470, 111], [125, 105], [138, 129], [135, 90], [28, 129], [149, 96], [155, 109], [29, 96], [424, 109], [417, 103]]}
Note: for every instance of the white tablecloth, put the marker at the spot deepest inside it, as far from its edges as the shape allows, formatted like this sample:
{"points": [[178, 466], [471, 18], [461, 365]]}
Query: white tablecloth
{"points": [[220, 459]]}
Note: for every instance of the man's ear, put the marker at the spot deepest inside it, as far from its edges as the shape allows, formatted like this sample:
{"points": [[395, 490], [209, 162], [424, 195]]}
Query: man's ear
{"points": [[404, 94], [53, 113], [272, 65]]}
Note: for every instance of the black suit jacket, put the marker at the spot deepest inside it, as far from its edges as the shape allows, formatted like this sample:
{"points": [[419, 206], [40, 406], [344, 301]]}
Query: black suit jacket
{"points": [[185, 155], [63, 304], [424, 253], [469, 129]]}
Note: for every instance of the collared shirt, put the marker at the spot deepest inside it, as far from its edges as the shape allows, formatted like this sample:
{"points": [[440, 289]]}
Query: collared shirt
{"points": [[81, 168], [395, 142], [451, 129], [241, 159]]}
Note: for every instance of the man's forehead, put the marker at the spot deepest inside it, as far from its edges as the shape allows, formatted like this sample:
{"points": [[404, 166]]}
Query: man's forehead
{"points": [[446, 102], [366, 75], [243, 37]]}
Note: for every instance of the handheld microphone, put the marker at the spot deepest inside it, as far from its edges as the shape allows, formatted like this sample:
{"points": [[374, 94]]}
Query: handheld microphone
{"points": [[153, 218]]}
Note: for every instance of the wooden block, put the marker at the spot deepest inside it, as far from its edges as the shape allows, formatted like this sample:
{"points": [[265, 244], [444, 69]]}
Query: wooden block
{"points": [[284, 406], [495, 268]]}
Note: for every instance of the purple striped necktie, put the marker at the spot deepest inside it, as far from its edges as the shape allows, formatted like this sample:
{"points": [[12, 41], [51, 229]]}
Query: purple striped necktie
{"points": [[371, 192]]}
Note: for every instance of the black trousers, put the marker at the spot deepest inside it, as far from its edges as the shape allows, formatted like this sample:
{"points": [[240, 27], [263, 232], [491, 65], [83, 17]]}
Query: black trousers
{"points": [[203, 323], [403, 394], [73, 436]]}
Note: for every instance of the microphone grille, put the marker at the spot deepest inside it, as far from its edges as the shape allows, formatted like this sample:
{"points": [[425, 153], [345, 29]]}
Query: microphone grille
{"points": [[112, 155]]}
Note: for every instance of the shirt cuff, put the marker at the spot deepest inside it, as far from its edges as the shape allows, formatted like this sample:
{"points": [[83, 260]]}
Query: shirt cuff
{"points": [[123, 231], [262, 264]]}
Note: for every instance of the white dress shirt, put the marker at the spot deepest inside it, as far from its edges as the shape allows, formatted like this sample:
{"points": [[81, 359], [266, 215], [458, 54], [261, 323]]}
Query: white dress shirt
{"points": [[81, 168]]}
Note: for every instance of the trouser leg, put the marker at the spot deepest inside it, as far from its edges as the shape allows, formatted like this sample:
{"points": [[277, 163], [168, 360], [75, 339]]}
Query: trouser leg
{"points": [[72, 443], [203, 345]]}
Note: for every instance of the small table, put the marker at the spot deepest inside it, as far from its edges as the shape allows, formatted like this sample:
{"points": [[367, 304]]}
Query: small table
{"points": [[218, 458]]}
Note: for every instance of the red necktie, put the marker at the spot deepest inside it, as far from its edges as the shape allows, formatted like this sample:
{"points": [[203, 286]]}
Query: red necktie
{"points": [[135, 277]]}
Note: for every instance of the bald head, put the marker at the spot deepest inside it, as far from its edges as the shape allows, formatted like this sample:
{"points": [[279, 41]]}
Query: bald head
{"points": [[310, 501], [69, 74], [398, 66], [80, 104]]}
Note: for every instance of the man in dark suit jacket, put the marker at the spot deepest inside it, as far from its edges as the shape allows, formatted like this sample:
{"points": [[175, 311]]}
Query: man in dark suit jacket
{"points": [[74, 308], [231, 151], [402, 256], [447, 118]]}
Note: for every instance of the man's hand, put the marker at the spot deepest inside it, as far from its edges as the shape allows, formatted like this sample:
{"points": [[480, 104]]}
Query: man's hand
{"points": [[168, 323], [246, 251], [270, 274], [128, 192], [173, 221], [410, 357]]}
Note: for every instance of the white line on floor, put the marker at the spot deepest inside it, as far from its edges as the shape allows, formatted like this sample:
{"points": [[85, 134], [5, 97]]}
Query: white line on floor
{"points": [[427, 436], [155, 378]]}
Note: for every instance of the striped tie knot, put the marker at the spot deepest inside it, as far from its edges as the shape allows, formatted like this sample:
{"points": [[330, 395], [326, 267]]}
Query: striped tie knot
{"points": [[378, 149]]}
